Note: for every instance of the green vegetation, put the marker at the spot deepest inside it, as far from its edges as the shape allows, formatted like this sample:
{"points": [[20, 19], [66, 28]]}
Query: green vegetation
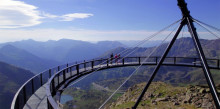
{"points": [[85, 99]]}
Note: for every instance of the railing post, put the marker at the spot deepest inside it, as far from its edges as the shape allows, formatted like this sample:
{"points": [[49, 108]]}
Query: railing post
{"points": [[107, 62], [24, 93], [53, 86], [17, 104], [71, 71], [64, 75], [67, 70], [218, 63], [49, 73], [77, 68], [41, 79], [58, 78], [195, 61], [48, 104], [174, 60], [85, 65], [139, 60], [92, 64], [156, 59], [123, 61], [32, 86], [58, 68]]}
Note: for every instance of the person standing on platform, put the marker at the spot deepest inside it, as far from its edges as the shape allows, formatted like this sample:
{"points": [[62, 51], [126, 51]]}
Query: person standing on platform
{"points": [[111, 58], [116, 58], [119, 57]]}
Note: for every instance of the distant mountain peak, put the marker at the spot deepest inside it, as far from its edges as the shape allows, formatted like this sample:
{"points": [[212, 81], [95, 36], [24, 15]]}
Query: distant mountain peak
{"points": [[9, 47]]}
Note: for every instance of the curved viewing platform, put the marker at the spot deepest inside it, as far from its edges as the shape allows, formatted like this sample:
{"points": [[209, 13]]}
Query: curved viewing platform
{"points": [[42, 88]]}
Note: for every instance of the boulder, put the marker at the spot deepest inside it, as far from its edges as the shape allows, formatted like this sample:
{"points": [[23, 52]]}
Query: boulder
{"points": [[202, 90], [161, 99], [176, 103]]}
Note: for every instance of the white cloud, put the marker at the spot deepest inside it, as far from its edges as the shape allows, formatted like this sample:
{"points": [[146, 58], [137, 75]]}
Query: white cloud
{"points": [[15, 14], [48, 15], [71, 17], [67, 17]]}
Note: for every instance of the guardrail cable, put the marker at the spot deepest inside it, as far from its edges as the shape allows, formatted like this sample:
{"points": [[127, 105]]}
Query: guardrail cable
{"points": [[150, 37]]}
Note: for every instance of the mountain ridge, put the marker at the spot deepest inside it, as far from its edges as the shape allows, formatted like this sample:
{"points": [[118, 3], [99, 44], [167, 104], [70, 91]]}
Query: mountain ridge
{"points": [[64, 50], [24, 59]]}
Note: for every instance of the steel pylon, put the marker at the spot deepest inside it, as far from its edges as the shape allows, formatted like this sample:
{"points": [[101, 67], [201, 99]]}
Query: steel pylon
{"points": [[186, 20]]}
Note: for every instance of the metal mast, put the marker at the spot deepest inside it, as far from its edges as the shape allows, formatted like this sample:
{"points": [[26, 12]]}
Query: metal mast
{"points": [[186, 20]]}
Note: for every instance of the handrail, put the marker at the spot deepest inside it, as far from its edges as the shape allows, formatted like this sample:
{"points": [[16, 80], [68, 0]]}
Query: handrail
{"points": [[21, 88], [51, 88], [19, 102], [21, 96]]}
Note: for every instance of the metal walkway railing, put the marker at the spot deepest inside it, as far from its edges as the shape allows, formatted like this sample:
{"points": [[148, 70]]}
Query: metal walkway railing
{"points": [[59, 79], [63, 78]]}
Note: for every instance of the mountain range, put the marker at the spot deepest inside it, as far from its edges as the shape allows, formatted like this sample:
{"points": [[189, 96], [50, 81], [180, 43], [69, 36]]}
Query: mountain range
{"points": [[24, 59], [38, 56], [182, 47]]}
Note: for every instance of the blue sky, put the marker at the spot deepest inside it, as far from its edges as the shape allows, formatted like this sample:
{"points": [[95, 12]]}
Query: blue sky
{"points": [[95, 20]]}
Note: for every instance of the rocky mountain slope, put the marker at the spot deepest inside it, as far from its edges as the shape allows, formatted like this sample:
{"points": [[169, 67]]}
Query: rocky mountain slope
{"points": [[164, 96]]}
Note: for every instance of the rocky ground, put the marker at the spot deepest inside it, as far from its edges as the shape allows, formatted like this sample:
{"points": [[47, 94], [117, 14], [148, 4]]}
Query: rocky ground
{"points": [[163, 96]]}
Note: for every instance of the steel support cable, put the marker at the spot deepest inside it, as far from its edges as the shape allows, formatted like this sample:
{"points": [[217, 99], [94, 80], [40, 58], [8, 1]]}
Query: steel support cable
{"points": [[136, 70], [141, 42], [200, 24], [204, 48], [208, 30], [153, 35], [167, 36], [144, 41], [150, 37], [210, 26]]}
